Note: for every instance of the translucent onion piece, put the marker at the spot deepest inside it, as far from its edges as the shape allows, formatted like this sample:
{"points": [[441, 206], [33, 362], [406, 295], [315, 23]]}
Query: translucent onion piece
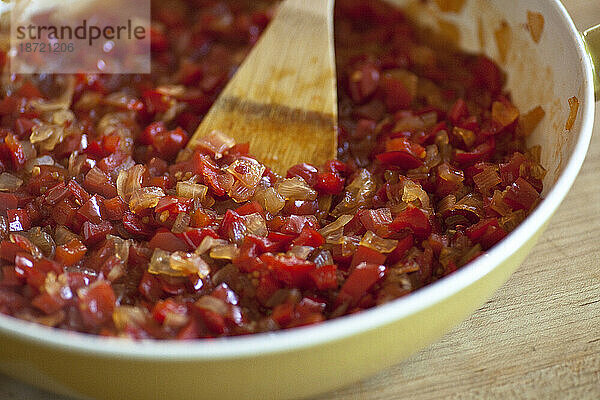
{"points": [[61, 103], [160, 263], [121, 247], [28, 149], [413, 191], [146, 197], [9, 182], [322, 257], [122, 124], [348, 245], [171, 90], [208, 243], [63, 235], [191, 190], [118, 271], [446, 204], [256, 224], [429, 119], [377, 243], [301, 252], [42, 240], [334, 230], [189, 263], [182, 221], [47, 136], [472, 203], [408, 79], [432, 159], [510, 221], [88, 101], [43, 160], [129, 181], [247, 170], [63, 117], [213, 304], [270, 199], [224, 252], [240, 192], [486, 180], [217, 142], [76, 161], [124, 316], [357, 194], [296, 189], [467, 136]]}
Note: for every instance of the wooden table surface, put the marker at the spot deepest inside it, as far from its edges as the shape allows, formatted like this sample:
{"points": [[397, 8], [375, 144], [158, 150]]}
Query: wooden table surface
{"points": [[538, 337]]}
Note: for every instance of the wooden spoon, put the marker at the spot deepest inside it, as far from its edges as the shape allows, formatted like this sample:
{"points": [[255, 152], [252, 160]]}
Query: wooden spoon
{"points": [[283, 99]]}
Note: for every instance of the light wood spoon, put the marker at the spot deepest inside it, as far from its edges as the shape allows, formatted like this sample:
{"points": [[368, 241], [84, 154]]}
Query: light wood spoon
{"points": [[283, 99]]}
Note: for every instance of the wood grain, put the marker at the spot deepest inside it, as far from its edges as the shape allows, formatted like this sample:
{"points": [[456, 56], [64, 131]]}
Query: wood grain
{"points": [[538, 337], [283, 100]]}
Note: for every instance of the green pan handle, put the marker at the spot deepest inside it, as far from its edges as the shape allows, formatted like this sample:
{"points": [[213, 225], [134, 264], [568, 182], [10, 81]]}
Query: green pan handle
{"points": [[591, 37]]}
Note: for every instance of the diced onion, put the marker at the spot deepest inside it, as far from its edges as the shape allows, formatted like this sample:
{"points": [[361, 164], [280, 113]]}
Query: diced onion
{"points": [[42, 240], [413, 191], [270, 199], [208, 243], [473, 203], [377, 243], [301, 252], [9, 182], [466, 135], [62, 117], [160, 263], [334, 230], [191, 190], [182, 221], [256, 224], [124, 316], [224, 252], [217, 142], [296, 189], [129, 181], [446, 204], [486, 180], [47, 136], [63, 235], [43, 160], [213, 304], [240, 192], [247, 170], [61, 103], [146, 197], [323, 257], [121, 247], [357, 194], [189, 263]]}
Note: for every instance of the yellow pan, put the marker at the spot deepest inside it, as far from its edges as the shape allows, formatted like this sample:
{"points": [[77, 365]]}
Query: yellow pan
{"points": [[305, 361]]}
